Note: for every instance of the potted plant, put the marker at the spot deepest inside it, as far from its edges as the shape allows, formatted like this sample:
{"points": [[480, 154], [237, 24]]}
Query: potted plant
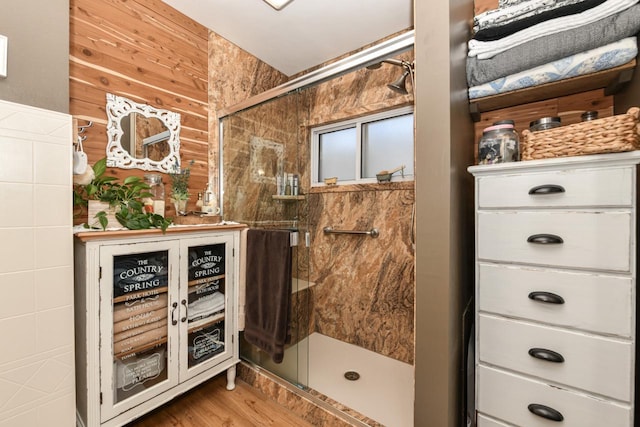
{"points": [[109, 201], [180, 188]]}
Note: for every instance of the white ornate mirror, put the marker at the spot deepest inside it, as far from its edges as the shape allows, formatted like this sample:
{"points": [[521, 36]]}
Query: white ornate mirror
{"points": [[141, 136]]}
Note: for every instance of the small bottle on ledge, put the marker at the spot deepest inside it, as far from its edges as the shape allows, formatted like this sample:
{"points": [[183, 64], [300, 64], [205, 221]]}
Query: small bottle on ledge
{"points": [[287, 185], [199, 203]]}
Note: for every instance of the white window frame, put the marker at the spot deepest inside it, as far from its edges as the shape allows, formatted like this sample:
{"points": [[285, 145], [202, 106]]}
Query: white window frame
{"points": [[357, 124]]}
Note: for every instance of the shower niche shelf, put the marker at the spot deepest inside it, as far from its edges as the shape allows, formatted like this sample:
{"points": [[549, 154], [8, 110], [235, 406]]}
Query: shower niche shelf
{"points": [[288, 198]]}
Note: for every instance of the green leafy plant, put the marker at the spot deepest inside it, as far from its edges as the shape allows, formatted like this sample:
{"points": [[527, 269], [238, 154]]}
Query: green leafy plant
{"points": [[180, 183], [125, 198], [137, 219], [99, 187]]}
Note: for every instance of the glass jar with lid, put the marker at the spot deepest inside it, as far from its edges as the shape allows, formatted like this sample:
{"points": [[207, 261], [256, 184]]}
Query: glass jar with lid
{"points": [[155, 203], [499, 144], [545, 123]]}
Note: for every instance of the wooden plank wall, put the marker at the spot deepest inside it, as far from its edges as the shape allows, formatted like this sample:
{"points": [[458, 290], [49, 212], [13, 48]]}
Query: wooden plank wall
{"points": [[484, 5], [150, 53]]}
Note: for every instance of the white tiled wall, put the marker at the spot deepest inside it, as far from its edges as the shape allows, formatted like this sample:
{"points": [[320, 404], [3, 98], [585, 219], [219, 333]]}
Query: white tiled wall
{"points": [[36, 268]]}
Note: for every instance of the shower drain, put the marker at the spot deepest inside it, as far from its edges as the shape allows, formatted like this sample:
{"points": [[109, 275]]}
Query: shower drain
{"points": [[352, 375]]}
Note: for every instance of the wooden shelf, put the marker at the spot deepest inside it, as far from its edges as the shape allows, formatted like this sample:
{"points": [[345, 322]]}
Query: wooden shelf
{"points": [[288, 198], [611, 80]]}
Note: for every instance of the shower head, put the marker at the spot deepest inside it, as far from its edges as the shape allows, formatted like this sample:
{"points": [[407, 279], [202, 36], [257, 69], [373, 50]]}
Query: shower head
{"points": [[400, 85]]}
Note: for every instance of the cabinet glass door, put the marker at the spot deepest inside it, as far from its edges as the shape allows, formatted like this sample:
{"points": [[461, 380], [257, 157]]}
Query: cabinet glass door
{"points": [[137, 288], [208, 294]]}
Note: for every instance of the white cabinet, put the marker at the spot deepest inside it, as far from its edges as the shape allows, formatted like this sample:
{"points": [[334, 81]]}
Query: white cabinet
{"points": [[556, 291], [156, 314]]}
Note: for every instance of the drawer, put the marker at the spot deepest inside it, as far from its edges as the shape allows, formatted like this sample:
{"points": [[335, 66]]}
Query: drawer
{"points": [[565, 188], [590, 240], [591, 302], [507, 396], [488, 422], [596, 364]]}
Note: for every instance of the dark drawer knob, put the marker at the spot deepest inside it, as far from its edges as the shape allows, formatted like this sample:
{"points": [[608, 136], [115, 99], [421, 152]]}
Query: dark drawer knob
{"points": [[545, 239], [546, 355], [545, 412], [546, 297], [546, 189]]}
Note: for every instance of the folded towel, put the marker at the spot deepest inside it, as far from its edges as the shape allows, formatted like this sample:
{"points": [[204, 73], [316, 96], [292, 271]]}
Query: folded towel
{"points": [[484, 50], [139, 320], [502, 15], [591, 61], [206, 306], [139, 330], [202, 290], [127, 309], [268, 291], [140, 342], [508, 13], [550, 48], [499, 31]]}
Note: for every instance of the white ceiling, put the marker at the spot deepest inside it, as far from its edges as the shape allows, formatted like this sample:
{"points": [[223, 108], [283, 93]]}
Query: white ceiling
{"points": [[303, 34]]}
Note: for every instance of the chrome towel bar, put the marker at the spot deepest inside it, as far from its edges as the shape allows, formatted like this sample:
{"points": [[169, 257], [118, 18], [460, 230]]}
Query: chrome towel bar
{"points": [[373, 232]]}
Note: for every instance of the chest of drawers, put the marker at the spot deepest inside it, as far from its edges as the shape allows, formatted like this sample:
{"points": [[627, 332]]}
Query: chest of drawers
{"points": [[555, 315]]}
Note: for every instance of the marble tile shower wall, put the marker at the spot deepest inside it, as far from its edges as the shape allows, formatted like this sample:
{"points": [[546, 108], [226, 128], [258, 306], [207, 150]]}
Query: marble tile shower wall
{"points": [[36, 268], [362, 289]]}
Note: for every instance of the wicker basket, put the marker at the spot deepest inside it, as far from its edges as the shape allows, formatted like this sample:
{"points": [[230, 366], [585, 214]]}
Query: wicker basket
{"points": [[607, 135]]}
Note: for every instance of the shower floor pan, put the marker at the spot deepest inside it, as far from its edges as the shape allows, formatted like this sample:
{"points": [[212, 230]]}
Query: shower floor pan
{"points": [[383, 391]]}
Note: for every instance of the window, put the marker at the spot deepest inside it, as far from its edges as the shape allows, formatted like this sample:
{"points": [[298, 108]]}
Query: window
{"points": [[355, 151]]}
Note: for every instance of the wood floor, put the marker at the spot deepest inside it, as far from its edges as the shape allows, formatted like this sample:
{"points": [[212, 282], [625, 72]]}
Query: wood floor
{"points": [[212, 405]]}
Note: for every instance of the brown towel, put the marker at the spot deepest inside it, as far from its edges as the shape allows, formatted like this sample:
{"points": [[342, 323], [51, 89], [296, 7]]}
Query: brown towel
{"points": [[268, 291]]}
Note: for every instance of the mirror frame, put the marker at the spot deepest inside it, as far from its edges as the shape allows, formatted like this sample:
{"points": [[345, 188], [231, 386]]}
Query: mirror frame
{"points": [[119, 107]]}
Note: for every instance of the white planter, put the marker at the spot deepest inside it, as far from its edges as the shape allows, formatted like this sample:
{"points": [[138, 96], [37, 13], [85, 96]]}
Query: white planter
{"points": [[96, 206]]}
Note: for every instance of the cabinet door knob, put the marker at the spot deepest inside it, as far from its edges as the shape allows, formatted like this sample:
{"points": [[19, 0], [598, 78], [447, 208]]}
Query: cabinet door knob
{"points": [[186, 311], [174, 321], [546, 355], [545, 239], [545, 412], [546, 297], [546, 189]]}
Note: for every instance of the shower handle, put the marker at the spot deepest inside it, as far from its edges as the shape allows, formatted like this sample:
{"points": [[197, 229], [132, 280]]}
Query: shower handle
{"points": [[373, 232]]}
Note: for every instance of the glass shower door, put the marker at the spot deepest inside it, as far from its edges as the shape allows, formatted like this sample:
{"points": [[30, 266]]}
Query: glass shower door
{"points": [[261, 147]]}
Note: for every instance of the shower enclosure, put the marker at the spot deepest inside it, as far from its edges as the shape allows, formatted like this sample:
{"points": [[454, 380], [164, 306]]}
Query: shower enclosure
{"points": [[352, 302]]}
